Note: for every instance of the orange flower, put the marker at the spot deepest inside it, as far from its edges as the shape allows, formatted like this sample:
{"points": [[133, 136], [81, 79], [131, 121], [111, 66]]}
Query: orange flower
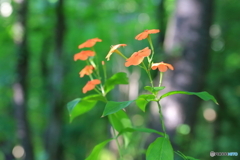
{"points": [[86, 70], [145, 34], [83, 55], [114, 49], [162, 67], [89, 43], [103, 62], [90, 85], [137, 57]]}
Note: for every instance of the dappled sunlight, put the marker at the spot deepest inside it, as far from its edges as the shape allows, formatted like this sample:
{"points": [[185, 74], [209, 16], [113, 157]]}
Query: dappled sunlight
{"points": [[107, 155], [134, 83], [183, 129], [18, 31], [209, 114], [18, 94], [5, 9], [143, 18], [18, 152], [18, 1], [172, 113], [138, 120]]}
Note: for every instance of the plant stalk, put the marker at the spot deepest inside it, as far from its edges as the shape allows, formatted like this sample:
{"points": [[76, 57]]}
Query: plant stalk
{"points": [[161, 117]]}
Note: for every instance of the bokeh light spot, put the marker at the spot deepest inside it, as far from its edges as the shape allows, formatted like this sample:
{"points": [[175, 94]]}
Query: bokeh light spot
{"points": [[6, 9], [184, 129], [18, 151], [215, 31], [143, 18], [209, 114]]}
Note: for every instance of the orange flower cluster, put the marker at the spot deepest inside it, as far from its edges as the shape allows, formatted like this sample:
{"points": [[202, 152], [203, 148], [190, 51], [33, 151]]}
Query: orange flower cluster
{"points": [[87, 70], [90, 85], [162, 67], [137, 57]]}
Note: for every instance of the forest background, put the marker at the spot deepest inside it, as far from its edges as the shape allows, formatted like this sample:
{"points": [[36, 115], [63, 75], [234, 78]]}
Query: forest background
{"points": [[38, 39]]}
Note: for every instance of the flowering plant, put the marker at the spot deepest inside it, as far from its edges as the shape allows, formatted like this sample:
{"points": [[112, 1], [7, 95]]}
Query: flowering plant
{"points": [[161, 148]]}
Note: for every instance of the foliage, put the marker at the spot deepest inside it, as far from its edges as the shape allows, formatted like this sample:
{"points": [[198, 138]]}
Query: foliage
{"points": [[161, 148], [87, 19]]}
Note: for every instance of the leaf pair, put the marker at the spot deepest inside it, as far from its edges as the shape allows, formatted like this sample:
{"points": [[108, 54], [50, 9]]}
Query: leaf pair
{"points": [[80, 106], [144, 99]]}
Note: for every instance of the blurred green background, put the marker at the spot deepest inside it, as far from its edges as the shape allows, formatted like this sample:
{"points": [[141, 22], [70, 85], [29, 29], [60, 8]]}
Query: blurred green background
{"points": [[38, 77]]}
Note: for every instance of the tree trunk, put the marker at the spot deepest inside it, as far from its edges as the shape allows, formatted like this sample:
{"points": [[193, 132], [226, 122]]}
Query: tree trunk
{"points": [[20, 87], [186, 44], [53, 144]]}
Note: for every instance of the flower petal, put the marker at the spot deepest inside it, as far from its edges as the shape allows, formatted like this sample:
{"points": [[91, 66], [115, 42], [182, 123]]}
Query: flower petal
{"points": [[134, 61], [154, 66], [151, 31], [162, 68], [80, 56], [95, 81], [90, 85], [87, 70], [141, 36], [113, 48], [89, 43], [169, 66], [145, 34], [145, 52], [83, 55]]}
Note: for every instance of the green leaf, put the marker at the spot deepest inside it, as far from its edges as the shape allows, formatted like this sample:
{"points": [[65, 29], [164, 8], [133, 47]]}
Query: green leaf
{"points": [[147, 97], [146, 130], [160, 149], [191, 158], [143, 100], [154, 89], [141, 103], [80, 106], [119, 121], [112, 107], [96, 97], [118, 78], [97, 149], [203, 95], [148, 88]]}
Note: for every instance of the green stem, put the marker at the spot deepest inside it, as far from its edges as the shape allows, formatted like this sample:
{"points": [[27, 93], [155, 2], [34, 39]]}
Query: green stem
{"points": [[95, 67], [161, 117], [151, 46], [104, 73], [160, 79], [102, 89], [91, 78], [97, 64], [118, 145], [120, 53], [97, 91], [148, 73]]}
